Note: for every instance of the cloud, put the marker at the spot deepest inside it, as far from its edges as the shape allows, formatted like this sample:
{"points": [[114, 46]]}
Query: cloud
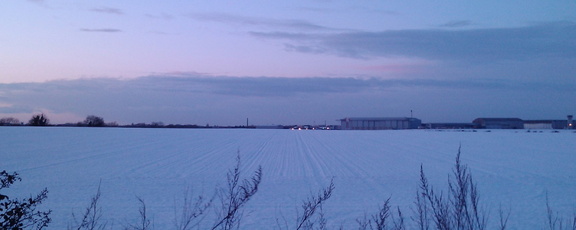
{"points": [[107, 10], [458, 23], [228, 100], [102, 30], [544, 40], [254, 86], [163, 16], [15, 109], [255, 21], [41, 3], [288, 87]]}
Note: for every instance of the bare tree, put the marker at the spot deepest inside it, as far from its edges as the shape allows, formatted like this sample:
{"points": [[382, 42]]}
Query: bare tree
{"points": [[94, 121], [39, 120]]}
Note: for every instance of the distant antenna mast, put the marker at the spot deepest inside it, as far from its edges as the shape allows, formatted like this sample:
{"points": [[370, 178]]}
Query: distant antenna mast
{"points": [[246, 122]]}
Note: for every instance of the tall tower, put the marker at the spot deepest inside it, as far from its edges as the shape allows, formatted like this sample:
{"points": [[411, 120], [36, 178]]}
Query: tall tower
{"points": [[570, 124]]}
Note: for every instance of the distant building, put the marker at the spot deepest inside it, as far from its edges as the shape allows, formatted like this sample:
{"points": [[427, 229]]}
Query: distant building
{"points": [[545, 124], [378, 123], [449, 125], [498, 123], [269, 127]]}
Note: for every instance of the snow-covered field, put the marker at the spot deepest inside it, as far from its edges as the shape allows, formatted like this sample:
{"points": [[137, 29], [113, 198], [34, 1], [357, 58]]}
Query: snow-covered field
{"points": [[513, 168]]}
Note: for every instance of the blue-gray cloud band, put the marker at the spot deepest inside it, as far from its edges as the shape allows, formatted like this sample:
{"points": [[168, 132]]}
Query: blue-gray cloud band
{"points": [[259, 86], [280, 87], [552, 39], [223, 99]]}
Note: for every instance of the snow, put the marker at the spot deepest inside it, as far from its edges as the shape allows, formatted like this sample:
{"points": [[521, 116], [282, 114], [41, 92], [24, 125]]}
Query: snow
{"points": [[514, 169]]}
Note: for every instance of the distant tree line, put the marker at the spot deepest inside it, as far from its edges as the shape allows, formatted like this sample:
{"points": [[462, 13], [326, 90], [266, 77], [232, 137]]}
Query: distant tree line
{"points": [[36, 120], [97, 121], [9, 121], [42, 120]]}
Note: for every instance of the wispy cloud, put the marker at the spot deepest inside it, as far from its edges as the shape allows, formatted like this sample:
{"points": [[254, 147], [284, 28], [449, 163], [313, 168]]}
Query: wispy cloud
{"points": [[102, 30], [41, 3], [107, 10], [553, 39], [16, 109], [163, 16], [256, 21]]}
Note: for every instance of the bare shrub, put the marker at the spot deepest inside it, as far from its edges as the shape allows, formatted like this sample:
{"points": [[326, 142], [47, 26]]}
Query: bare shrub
{"points": [[457, 209], [383, 220], [379, 220], [232, 198], [91, 218], [460, 209], [399, 222], [21, 214], [192, 212], [145, 222], [235, 196], [421, 211], [311, 206], [555, 222], [464, 199], [503, 218]]}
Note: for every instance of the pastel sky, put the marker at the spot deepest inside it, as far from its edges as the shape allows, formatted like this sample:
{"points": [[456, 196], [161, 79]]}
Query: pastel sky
{"points": [[286, 62]]}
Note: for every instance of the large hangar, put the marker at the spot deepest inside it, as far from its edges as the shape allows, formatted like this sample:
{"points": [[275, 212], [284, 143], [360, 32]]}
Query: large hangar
{"points": [[379, 123]]}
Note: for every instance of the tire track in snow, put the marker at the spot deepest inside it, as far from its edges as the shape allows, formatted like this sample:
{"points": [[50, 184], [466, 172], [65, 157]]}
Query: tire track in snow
{"points": [[368, 166], [191, 157]]}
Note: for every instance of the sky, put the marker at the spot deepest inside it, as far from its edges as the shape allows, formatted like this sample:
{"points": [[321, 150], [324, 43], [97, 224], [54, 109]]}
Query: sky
{"points": [[293, 62]]}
